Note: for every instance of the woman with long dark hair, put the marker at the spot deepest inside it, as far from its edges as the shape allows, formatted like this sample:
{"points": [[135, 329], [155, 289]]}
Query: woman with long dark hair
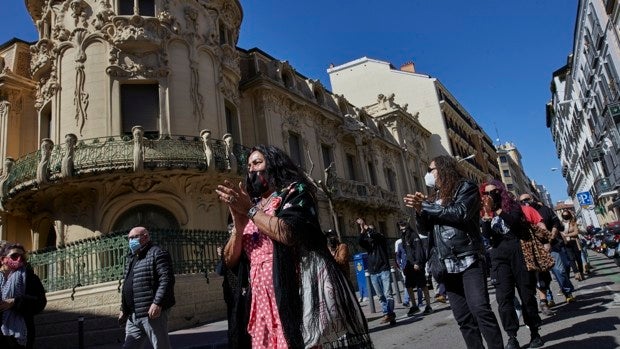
{"points": [[573, 245], [299, 297], [451, 221], [505, 223]]}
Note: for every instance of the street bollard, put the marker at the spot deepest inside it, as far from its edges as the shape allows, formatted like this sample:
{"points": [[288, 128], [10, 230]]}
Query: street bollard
{"points": [[371, 297], [395, 284], [81, 332]]}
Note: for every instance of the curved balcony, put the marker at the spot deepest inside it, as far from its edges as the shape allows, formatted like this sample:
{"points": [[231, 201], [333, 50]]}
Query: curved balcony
{"points": [[122, 153], [364, 194]]}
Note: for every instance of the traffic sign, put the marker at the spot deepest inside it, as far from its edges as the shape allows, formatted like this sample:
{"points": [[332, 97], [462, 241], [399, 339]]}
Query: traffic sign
{"points": [[585, 198]]}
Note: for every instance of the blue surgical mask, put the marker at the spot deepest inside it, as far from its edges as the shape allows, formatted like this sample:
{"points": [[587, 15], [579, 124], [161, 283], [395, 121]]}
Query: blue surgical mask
{"points": [[134, 244]]}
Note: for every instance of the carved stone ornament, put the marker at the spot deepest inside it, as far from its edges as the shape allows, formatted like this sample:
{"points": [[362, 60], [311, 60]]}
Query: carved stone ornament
{"points": [[205, 135], [125, 65], [142, 184], [79, 8], [144, 31], [41, 55], [44, 162], [46, 89], [103, 14]]}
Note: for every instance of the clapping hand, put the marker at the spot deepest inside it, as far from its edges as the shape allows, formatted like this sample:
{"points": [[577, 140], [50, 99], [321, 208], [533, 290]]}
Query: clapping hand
{"points": [[415, 200]]}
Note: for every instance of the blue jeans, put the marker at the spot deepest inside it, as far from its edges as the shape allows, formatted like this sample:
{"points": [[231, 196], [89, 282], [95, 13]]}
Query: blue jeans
{"points": [[138, 330], [383, 288], [559, 270]]}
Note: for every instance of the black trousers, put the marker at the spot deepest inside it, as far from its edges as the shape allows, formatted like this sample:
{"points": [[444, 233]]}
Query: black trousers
{"points": [[509, 271], [469, 300]]}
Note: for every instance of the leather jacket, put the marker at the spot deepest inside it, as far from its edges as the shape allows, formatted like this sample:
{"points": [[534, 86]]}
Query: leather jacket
{"points": [[454, 229]]}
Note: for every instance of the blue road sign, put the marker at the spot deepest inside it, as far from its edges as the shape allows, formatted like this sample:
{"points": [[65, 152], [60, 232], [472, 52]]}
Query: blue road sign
{"points": [[585, 198]]}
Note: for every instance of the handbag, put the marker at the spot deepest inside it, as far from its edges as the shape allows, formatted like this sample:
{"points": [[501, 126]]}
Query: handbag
{"points": [[537, 257], [436, 265]]}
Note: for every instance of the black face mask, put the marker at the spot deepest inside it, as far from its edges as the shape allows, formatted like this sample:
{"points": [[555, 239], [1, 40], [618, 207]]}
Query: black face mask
{"points": [[496, 196], [257, 184]]}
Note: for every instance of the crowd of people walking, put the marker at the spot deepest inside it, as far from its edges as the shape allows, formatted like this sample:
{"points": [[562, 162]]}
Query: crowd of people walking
{"points": [[287, 283]]}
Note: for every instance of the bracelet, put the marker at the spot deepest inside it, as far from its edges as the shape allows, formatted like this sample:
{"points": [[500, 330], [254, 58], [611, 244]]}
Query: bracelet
{"points": [[252, 212]]}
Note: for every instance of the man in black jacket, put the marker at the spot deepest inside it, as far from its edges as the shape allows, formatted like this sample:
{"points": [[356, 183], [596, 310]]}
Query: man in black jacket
{"points": [[148, 292], [379, 268]]}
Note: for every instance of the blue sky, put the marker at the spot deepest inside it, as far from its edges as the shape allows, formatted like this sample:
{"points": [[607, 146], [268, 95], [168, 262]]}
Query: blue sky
{"points": [[495, 57]]}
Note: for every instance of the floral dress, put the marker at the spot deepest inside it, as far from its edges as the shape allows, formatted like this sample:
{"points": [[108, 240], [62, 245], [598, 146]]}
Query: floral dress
{"points": [[328, 314], [264, 325]]}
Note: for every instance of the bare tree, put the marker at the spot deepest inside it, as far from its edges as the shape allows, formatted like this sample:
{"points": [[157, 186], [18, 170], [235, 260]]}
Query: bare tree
{"points": [[325, 185]]}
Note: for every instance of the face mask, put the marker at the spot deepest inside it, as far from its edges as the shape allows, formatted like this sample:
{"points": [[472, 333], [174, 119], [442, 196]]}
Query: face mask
{"points": [[429, 179], [496, 196], [258, 184], [13, 265], [134, 245]]}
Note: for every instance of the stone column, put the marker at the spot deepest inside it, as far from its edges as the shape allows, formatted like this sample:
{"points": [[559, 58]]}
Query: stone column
{"points": [[206, 141], [138, 148], [67, 160], [230, 156], [4, 117], [44, 163]]}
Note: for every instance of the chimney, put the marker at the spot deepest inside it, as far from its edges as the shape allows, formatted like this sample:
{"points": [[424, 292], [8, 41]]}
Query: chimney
{"points": [[408, 67]]}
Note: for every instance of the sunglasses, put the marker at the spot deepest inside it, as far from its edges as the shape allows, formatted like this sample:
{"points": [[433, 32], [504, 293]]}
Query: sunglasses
{"points": [[490, 192], [430, 169], [15, 256], [526, 201]]}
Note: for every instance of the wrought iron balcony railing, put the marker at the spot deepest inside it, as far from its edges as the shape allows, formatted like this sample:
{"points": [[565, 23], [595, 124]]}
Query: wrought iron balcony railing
{"points": [[364, 193], [102, 259], [106, 154]]}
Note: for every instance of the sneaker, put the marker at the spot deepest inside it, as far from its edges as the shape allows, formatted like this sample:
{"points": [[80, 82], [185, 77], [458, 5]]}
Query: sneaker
{"points": [[392, 318], [413, 310], [440, 298], [570, 298], [536, 342], [428, 310], [551, 303], [513, 343], [544, 308], [406, 304]]}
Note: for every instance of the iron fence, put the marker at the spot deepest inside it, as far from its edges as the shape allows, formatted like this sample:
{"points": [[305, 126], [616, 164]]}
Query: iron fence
{"points": [[102, 259]]}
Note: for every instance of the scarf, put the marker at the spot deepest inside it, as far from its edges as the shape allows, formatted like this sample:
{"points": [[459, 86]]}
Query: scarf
{"points": [[13, 286]]}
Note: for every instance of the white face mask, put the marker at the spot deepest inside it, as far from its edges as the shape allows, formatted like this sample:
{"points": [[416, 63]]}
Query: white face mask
{"points": [[429, 179]]}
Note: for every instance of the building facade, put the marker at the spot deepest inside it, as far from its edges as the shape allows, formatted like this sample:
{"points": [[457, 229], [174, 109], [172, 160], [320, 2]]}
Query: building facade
{"points": [[454, 131], [584, 113], [512, 172]]}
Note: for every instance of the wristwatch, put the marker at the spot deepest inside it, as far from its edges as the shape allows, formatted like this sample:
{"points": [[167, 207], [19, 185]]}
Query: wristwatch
{"points": [[252, 212]]}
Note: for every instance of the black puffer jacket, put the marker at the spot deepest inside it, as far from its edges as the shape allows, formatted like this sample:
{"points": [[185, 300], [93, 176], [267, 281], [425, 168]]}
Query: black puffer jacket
{"points": [[454, 229], [153, 280]]}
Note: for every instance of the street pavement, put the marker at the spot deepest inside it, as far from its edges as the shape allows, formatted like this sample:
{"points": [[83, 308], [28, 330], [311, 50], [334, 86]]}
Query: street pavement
{"points": [[593, 321]]}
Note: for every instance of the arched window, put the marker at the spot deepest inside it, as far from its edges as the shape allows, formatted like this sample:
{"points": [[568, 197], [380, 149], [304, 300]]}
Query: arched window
{"points": [[148, 216]]}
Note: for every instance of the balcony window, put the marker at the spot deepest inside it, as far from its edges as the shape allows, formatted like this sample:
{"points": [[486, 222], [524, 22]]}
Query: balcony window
{"points": [[326, 152], [145, 7], [506, 173], [390, 178], [231, 122], [145, 113], [295, 149], [371, 172], [503, 159], [351, 167]]}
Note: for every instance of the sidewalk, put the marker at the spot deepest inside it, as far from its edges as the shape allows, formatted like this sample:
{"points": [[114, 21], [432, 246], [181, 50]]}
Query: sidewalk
{"points": [[213, 335]]}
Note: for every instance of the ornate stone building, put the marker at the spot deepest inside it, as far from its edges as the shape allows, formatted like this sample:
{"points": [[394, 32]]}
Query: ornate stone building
{"points": [[131, 112], [125, 114]]}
